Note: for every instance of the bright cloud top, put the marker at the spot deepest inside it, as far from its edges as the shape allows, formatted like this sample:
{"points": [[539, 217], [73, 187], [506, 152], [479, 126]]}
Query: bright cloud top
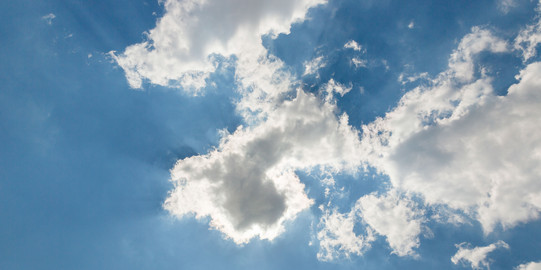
{"points": [[180, 50]]}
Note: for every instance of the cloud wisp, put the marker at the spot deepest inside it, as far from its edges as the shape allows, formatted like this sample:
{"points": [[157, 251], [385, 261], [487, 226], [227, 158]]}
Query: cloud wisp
{"points": [[476, 257]]}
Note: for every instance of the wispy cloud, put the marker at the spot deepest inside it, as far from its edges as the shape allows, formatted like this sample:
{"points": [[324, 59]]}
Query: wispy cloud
{"points": [[477, 256], [49, 18]]}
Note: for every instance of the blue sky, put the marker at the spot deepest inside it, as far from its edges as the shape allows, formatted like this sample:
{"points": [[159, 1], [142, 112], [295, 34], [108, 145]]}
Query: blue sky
{"points": [[270, 134]]}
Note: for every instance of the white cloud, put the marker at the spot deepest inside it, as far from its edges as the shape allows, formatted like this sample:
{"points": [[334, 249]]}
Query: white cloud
{"points": [[529, 266], [312, 66], [413, 78], [395, 217], [247, 186], [461, 63], [528, 39], [337, 237], [477, 256], [49, 18], [332, 87], [179, 50], [352, 44], [458, 144], [357, 61], [411, 25], [454, 142]]}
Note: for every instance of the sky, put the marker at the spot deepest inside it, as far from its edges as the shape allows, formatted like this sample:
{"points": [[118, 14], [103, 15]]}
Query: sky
{"points": [[256, 134]]}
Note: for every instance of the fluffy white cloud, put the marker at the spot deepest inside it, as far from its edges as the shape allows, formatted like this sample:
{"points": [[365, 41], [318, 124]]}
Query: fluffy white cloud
{"points": [[352, 44], [247, 185], [461, 64], [453, 142], [179, 50], [395, 217], [458, 144], [477, 256], [529, 266], [337, 237]]}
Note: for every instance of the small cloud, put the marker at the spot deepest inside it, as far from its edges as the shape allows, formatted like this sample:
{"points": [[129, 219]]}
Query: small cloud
{"points": [[477, 256], [89, 55], [410, 79], [411, 25], [358, 62], [312, 66], [49, 18], [529, 266], [352, 44]]}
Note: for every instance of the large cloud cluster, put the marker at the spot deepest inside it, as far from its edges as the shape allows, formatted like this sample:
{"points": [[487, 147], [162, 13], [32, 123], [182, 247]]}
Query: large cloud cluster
{"points": [[452, 142], [457, 143], [248, 184]]}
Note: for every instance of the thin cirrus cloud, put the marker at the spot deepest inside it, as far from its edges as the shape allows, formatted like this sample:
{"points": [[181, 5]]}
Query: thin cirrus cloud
{"points": [[452, 142]]}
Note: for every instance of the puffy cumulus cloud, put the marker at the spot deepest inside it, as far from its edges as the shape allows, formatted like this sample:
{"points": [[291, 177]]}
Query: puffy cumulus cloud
{"points": [[352, 44], [180, 50], [357, 61], [337, 237], [247, 185], [391, 215], [458, 144], [477, 256], [395, 217], [529, 266]]}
